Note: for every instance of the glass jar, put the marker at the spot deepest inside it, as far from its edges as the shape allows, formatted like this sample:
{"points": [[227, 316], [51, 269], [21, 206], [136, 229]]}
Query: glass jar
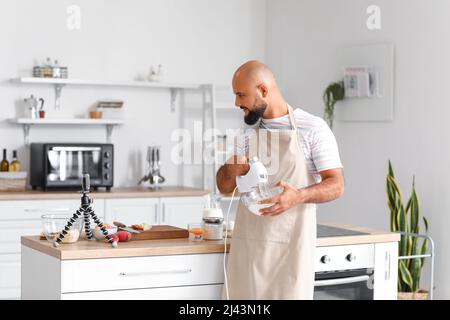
{"points": [[213, 228]]}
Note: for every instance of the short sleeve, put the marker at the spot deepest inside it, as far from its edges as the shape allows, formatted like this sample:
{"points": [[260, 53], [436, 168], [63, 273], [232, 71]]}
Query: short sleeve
{"points": [[324, 148]]}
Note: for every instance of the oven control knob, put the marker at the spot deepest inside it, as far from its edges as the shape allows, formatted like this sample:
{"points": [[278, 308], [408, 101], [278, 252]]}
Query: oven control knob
{"points": [[107, 165], [325, 259], [107, 154], [107, 176], [351, 257]]}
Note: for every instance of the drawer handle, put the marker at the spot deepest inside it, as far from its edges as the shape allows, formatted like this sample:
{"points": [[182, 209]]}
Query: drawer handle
{"points": [[151, 273], [46, 210]]}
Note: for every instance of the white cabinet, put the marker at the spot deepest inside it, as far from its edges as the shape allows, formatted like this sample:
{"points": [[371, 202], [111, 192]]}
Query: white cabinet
{"points": [[179, 212], [189, 276], [132, 211], [386, 271], [174, 211], [23, 218]]}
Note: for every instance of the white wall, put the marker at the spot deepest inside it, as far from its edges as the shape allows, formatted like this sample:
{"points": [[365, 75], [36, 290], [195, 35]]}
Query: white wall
{"points": [[196, 41], [301, 42]]}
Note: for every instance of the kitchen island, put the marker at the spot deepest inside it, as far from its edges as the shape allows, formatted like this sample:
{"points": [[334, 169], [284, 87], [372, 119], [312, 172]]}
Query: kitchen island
{"points": [[21, 211], [182, 269]]}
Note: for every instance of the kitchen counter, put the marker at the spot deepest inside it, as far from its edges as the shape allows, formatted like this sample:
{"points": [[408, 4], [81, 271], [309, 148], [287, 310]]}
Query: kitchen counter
{"points": [[84, 249], [115, 193]]}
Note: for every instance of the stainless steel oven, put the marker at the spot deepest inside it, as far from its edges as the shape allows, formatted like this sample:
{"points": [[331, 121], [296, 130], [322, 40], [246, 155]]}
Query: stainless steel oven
{"points": [[344, 285], [61, 165]]}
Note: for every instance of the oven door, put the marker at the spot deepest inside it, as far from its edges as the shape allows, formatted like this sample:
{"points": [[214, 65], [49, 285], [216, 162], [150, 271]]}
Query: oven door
{"points": [[66, 165], [344, 285]]}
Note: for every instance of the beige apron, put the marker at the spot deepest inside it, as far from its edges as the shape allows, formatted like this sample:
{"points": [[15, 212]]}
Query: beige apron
{"points": [[273, 257]]}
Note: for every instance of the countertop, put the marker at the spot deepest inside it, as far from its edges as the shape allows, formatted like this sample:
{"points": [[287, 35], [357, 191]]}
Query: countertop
{"points": [[84, 249], [115, 193]]}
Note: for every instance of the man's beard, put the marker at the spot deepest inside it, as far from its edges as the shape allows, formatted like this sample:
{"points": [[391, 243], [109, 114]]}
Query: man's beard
{"points": [[254, 115]]}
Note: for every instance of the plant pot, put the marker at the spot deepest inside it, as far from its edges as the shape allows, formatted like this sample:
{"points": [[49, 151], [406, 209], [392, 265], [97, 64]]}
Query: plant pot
{"points": [[41, 114], [419, 295]]}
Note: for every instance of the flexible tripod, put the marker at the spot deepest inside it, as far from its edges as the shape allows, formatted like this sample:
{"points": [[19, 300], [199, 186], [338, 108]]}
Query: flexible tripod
{"points": [[85, 210]]}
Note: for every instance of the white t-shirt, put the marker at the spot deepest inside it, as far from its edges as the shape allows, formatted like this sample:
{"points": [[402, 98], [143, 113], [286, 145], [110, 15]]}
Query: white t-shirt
{"points": [[320, 146]]}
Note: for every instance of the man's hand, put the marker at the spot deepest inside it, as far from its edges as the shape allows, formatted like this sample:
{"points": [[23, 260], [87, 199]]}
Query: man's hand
{"points": [[226, 176], [290, 197], [331, 187]]}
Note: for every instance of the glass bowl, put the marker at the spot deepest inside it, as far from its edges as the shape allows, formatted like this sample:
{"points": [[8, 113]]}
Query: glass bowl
{"points": [[259, 193], [53, 224]]}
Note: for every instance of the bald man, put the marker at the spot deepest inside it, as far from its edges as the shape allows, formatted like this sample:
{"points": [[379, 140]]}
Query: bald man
{"points": [[272, 252]]}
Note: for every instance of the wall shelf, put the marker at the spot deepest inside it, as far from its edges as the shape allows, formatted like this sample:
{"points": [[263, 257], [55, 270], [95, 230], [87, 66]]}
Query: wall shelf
{"points": [[26, 123], [60, 83]]}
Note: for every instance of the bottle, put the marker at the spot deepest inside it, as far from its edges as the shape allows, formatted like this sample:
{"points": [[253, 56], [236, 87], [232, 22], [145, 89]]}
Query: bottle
{"points": [[48, 68], [152, 74], [159, 74], [15, 165], [4, 165], [56, 70]]}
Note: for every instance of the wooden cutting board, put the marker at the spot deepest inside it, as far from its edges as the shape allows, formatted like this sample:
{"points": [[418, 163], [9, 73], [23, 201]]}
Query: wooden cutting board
{"points": [[161, 232]]}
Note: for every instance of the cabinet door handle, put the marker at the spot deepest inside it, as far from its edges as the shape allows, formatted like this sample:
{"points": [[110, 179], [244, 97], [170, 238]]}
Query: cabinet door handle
{"points": [[50, 210], [156, 214], [164, 214], [387, 267], [152, 273]]}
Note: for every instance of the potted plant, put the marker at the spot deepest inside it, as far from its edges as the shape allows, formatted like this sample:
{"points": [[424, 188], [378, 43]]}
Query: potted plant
{"points": [[406, 219], [333, 93]]}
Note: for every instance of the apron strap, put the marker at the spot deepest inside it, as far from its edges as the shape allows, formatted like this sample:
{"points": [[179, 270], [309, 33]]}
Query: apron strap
{"points": [[292, 118]]}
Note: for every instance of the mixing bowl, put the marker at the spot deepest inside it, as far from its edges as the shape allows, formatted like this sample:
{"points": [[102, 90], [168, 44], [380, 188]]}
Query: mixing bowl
{"points": [[53, 224]]}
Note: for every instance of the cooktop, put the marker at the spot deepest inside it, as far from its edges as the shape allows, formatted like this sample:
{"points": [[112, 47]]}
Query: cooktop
{"points": [[326, 231]]}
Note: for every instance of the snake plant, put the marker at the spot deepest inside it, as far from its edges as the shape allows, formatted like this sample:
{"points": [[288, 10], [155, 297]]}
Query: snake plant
{"points": [[406, 219], [333, 93]]}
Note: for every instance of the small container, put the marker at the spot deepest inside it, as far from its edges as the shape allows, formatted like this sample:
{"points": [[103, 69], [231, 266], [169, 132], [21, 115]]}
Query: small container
{"points": [[196, 231], [64, 72], [38, 72], [95, 114], [213, 228]]}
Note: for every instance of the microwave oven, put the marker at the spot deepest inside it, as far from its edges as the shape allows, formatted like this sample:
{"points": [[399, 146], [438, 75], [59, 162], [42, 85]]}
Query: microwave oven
{"points": [[62, 165]]}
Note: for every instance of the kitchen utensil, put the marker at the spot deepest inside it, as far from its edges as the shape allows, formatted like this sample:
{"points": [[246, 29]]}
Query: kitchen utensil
{"points": [[98, 234], [123, 227], [31, 104], [154, 177], [254, 187], [161, 232]]}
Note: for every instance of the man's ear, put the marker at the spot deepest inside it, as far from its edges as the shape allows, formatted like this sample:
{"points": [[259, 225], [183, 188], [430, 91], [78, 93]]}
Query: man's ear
{"points": [[263, 90]]}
